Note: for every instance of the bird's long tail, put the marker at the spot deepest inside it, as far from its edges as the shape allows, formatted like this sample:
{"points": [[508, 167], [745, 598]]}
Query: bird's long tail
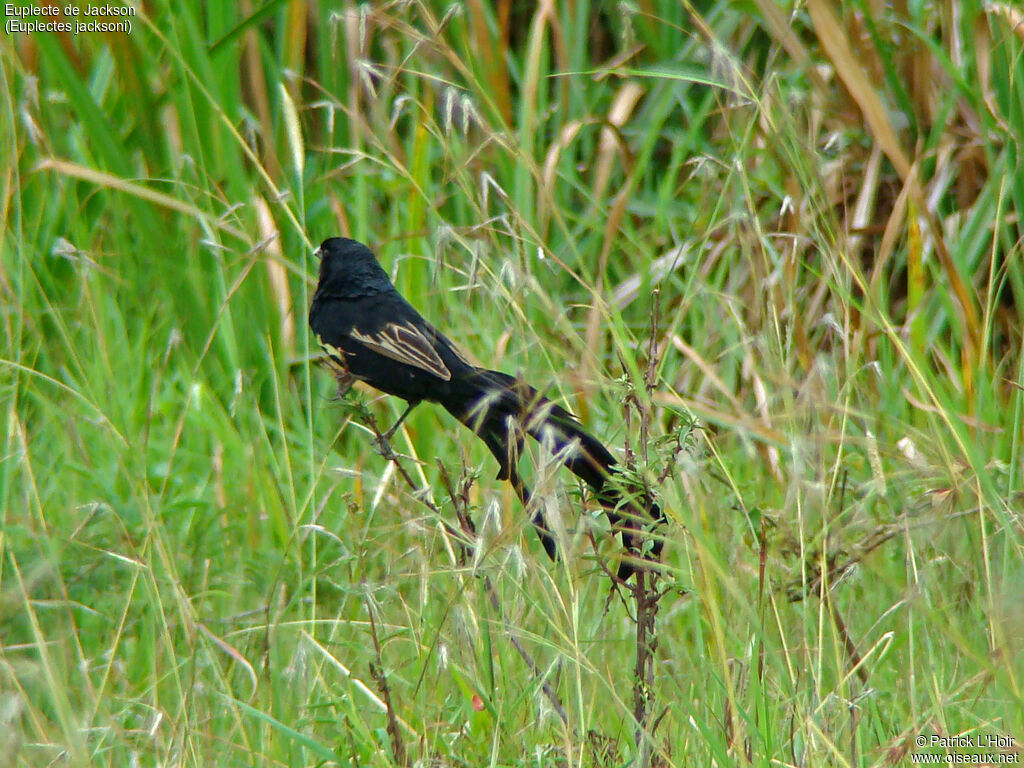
{"points": [[500, 409]]}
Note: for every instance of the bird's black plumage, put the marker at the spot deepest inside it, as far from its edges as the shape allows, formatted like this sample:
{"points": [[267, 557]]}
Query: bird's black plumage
{"points": [[372, 334]]}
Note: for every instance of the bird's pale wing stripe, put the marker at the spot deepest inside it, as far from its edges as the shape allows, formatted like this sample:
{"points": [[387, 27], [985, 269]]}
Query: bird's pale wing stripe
{"points": [[406, 344]]}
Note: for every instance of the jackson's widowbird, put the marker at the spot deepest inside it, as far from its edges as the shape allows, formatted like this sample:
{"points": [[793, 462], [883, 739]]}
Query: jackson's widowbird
{"points": [[372, 334]]}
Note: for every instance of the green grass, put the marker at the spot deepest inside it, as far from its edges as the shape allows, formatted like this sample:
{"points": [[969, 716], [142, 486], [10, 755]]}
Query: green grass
{"points": [[195, 537]]}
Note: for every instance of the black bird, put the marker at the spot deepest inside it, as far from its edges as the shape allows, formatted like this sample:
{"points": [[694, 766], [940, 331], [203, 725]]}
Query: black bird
{"points": [[371, 334]]}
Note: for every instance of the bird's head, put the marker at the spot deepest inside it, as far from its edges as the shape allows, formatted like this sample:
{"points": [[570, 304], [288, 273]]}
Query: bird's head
{"points": [[347, 267], [341, 254]]}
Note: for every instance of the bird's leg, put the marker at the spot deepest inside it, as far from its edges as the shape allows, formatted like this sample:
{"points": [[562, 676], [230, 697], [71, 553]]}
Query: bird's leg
{"points": [[394, 427], [384, 441]]}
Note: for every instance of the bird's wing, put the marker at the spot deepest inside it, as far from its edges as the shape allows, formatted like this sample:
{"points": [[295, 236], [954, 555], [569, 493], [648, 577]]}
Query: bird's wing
{"points": [[454, 349], [406, 343]]}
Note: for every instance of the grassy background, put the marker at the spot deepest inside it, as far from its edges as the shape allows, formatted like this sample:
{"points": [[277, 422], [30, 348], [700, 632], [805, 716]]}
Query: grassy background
{"points": [[194, 538]]}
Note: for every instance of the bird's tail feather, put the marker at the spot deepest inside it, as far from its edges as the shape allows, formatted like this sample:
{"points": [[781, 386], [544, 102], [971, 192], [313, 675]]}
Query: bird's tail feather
{"points": [[502, 408]]}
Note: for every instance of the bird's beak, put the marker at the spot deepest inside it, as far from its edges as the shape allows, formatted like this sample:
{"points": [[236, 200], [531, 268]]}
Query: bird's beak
{"points": [[318, 253]]}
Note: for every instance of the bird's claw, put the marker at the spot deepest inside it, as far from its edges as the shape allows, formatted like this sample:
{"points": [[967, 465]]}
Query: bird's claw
{"points": [[345, 382], [382, 447]]}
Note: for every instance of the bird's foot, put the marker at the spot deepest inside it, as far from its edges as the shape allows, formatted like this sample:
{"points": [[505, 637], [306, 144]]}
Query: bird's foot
{"points": [[345, 381], [382, 447]]}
